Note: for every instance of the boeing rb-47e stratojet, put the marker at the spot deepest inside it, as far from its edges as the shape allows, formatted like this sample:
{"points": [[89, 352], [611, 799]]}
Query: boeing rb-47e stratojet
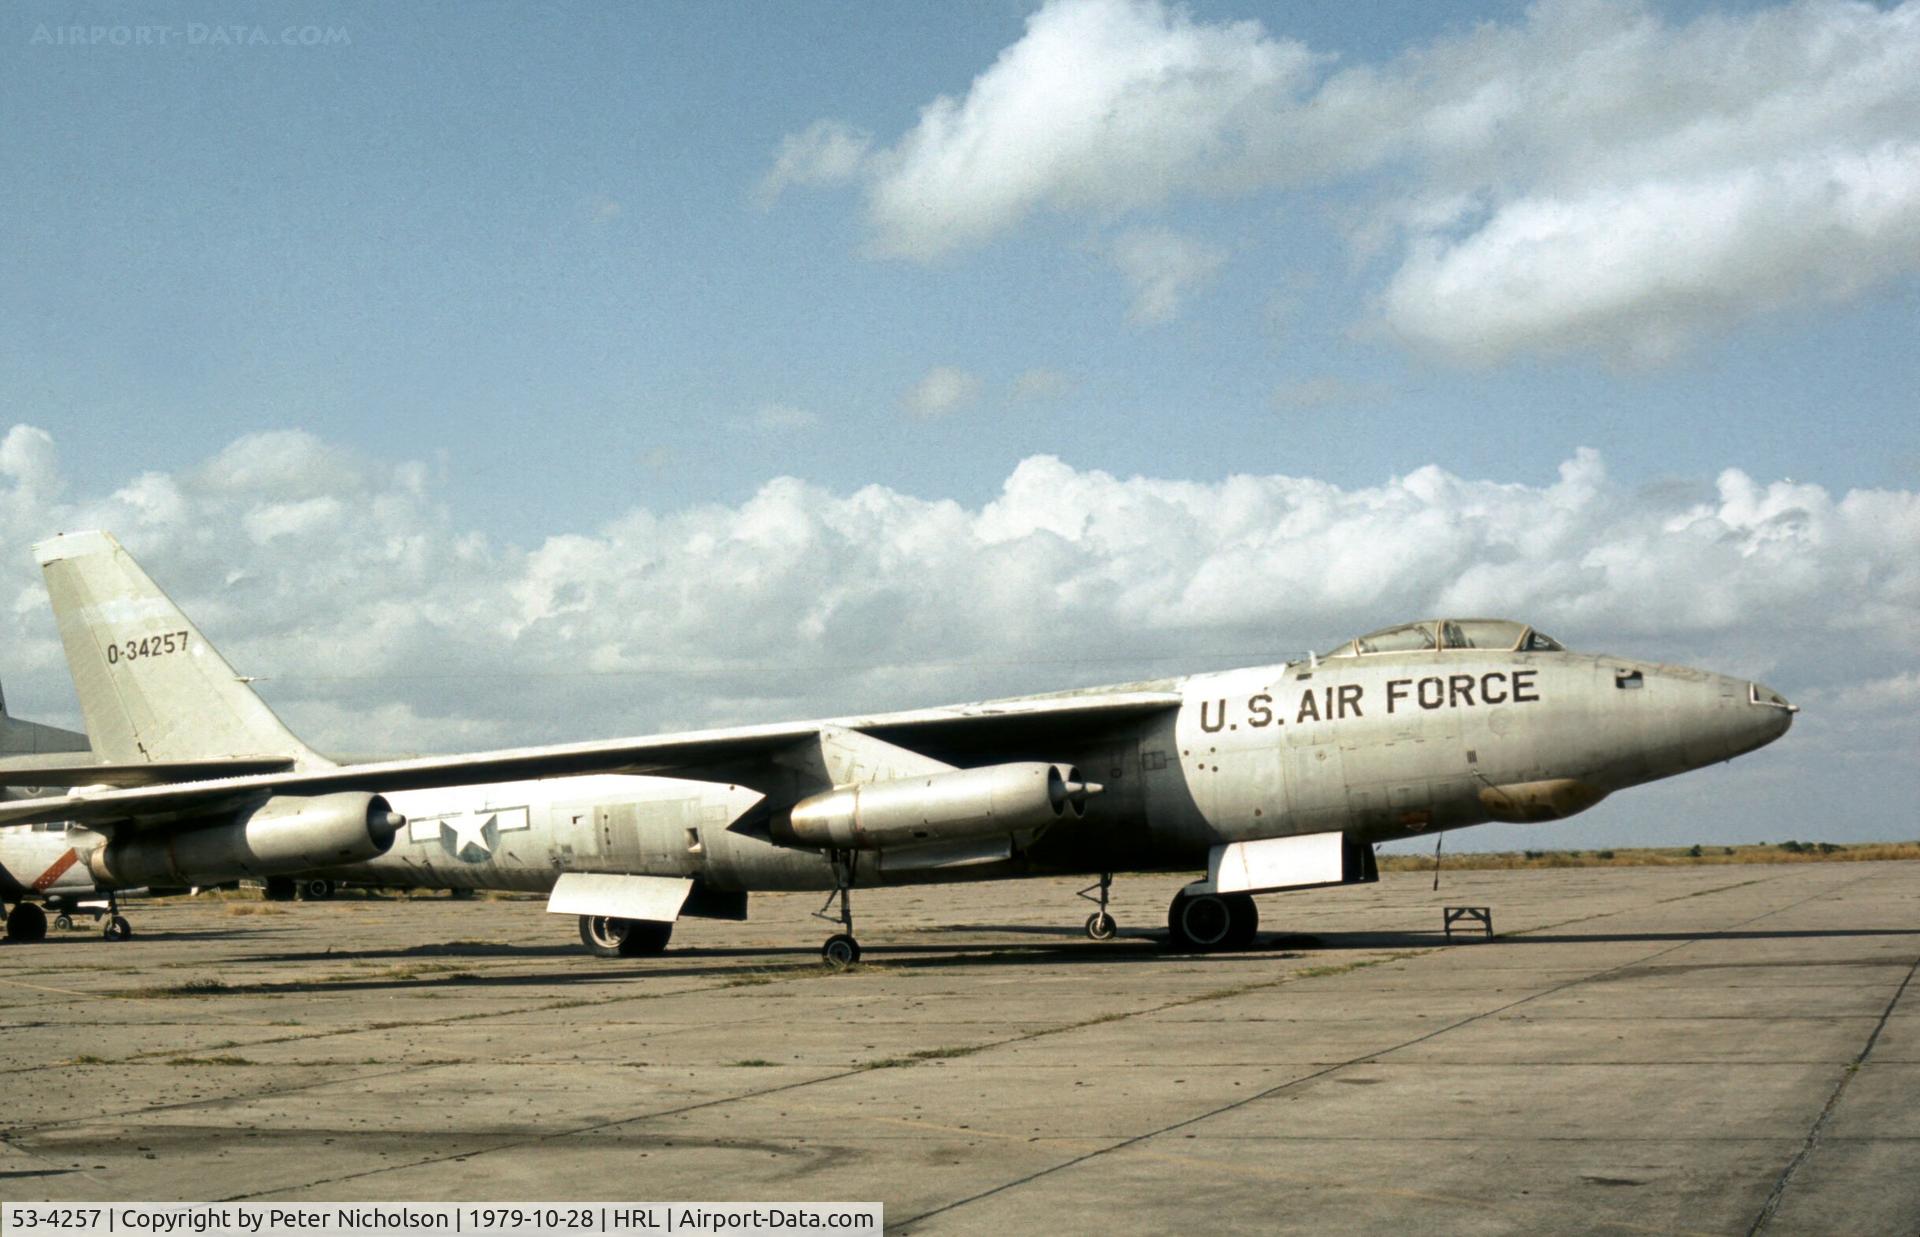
{"points": [[1271, 778]]}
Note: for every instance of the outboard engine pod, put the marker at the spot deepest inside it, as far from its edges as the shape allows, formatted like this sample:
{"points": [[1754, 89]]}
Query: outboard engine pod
{"points": [[285, 834], [937, 807]]}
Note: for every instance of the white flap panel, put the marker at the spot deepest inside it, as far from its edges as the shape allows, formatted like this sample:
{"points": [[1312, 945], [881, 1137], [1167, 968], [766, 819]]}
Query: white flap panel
{"points": [[654, 898], [1278, 863]]}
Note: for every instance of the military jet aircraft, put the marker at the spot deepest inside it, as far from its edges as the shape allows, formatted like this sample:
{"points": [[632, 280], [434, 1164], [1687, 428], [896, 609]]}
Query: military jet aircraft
{"points": [[1269, 778]]}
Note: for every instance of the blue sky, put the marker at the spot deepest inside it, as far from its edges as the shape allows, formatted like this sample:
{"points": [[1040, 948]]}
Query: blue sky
{"points": [[538, 277]]}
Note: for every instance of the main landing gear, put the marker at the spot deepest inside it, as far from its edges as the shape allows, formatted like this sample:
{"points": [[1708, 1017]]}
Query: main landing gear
{"points": [[1205, 922], [26, 923], [841, 950], [608, 937], [1100, 925]]}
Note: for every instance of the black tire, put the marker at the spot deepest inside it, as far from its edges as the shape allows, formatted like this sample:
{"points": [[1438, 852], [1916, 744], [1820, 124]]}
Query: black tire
{"points": [[278, 889], [460, 895], [1101, 926], [26, 923], [608, 937], [63, 921], [316, 889], [1246, 920], [117, 929], [1200, 923], [840, 951]]}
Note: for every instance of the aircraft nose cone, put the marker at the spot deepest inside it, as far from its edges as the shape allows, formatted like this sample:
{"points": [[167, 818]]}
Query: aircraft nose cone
{"points": [[1775, 714]]}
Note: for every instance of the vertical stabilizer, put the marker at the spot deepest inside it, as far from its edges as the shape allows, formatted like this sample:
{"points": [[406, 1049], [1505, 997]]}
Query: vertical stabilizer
{"points": [[150, 686]]}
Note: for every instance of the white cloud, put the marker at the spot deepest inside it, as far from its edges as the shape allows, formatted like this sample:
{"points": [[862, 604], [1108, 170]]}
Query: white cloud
{"points": [[1163, 268], [1642, 273], [942, 391], [1102, 104], [1590, 176], [396, 629], [827, 153]]}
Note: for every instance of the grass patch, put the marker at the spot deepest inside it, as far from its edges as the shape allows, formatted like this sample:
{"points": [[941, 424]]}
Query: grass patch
{"points": [[1659, 856], [751, 1063], [186, 988], [944, 1054], [210, 1061]]}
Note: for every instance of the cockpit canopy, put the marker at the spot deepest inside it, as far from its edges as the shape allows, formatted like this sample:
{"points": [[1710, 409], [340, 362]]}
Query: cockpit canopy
{"points": [[1502, 634]]}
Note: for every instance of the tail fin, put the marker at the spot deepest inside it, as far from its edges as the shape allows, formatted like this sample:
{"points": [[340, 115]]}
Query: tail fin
{"points": [[151, 687]]}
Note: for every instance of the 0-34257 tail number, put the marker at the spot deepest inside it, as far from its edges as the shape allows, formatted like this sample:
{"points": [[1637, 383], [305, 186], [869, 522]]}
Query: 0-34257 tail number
{"points": [[146, 646]]}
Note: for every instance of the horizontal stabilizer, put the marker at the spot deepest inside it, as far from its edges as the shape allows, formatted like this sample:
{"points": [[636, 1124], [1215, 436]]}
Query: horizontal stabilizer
{"points": [[159, 773]]}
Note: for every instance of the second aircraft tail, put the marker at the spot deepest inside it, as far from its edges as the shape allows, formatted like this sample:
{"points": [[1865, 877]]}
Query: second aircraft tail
{"points": [[150, 686]]}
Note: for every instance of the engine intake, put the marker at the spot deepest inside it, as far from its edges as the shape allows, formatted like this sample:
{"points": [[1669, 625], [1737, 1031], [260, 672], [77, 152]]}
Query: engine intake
{"points": [[285, 834], [937, 807]]}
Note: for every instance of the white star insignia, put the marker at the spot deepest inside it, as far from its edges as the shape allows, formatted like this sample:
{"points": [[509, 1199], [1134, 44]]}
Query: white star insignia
{"points": [[471, 831]]}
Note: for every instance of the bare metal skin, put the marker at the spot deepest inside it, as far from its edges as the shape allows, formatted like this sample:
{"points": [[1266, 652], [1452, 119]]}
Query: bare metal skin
{"points": [[1269, 778]]}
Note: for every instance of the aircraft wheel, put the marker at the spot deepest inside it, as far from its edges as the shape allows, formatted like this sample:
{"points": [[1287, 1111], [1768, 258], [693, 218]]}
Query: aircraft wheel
{"points": [[317, 889], [26, 922], [278, 889], [1246, 920], [63, 921], [644, 937], [608, 937], [1101, 926], [1200, 923], [840, 951], [117, 929]]}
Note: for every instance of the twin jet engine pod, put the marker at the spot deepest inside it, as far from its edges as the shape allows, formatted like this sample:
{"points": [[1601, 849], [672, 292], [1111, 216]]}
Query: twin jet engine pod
{"points": [[285, 834], [938, 807]]}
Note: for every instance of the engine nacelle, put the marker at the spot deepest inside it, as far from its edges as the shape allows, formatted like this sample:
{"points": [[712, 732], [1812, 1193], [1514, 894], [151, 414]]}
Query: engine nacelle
{"points": [[285, 834], [937, 807]]}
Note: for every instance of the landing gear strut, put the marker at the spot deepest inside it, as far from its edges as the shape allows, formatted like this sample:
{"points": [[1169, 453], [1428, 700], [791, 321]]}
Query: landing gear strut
{"points": [[1100, 925], [841, 950], [1205, 922], [116, 928]]}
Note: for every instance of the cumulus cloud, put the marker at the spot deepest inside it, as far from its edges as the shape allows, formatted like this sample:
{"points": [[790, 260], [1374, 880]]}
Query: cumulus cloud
{"points": [[1591, 175], [944, 390], [1163, 268], [826, 153], [378, 623]]}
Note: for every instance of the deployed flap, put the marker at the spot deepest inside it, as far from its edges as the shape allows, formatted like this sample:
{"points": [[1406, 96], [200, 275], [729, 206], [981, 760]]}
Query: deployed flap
{"points": [[1297, 862], [657, 899], [150, 685]]}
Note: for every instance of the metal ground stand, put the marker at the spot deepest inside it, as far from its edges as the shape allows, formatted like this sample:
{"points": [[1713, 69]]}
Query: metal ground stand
{"points": [[1482, 915]]}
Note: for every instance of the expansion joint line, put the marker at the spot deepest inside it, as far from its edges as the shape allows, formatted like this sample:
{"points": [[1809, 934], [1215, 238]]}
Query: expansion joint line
{"points": [[1820, 1123]]}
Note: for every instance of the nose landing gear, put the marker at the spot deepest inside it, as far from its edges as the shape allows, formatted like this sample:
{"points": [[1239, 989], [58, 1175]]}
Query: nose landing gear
{"points": [[1100, 925]]}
